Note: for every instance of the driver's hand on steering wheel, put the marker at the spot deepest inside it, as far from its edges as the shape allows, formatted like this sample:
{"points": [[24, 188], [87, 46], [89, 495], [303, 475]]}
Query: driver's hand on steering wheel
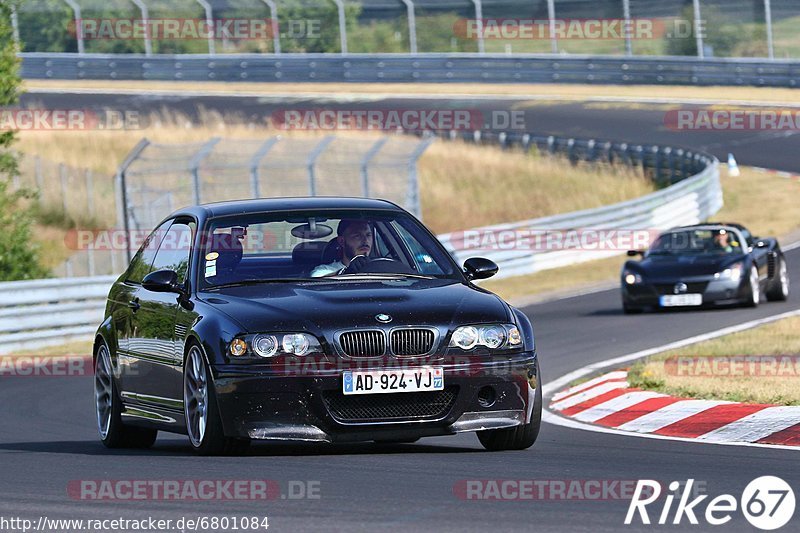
{"points": [[356, 265]]}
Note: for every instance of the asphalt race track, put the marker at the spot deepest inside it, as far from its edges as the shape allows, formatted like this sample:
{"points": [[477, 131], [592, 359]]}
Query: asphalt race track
{"points": [[640, 123], [48, 439], [48, 436]]}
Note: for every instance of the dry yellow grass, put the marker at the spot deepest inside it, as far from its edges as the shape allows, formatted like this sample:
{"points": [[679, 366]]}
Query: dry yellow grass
{"points": [[75, 349], [779, 338], [462, 185], [745, 197], [558, 92]]}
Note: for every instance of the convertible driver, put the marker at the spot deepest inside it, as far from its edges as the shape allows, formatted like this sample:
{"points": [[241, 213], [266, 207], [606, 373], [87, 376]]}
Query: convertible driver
{"points": [[355, 243]]}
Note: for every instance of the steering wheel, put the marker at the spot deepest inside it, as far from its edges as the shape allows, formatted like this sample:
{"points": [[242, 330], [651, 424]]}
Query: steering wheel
{"points": [[379, 265]]}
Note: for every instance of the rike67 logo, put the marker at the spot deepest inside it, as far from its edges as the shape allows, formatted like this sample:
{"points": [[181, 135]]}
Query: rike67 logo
{"points": [[767, 502]]}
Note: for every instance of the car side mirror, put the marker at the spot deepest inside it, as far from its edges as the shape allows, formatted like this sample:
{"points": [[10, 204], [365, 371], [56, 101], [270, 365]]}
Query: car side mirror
{"points": [[634, 253], [162, 281], [480, 268]]}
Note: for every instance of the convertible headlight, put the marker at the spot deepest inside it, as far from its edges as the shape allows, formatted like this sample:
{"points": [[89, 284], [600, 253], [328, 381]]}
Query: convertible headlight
{"points": [[733, 273], [631, 278], [266, 345], [492, 336]]}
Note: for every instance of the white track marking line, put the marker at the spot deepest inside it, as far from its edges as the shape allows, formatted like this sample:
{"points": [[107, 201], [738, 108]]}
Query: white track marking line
{"points": [[588, 395], [756, 426], [620, 403], [619, 374], [669, 414]]}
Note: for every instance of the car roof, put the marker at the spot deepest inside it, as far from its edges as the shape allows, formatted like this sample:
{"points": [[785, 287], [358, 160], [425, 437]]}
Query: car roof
{"points": [[235, 207], [709, 226]]}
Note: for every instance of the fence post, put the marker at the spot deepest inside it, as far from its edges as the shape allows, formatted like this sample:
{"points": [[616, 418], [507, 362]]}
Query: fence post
{"points": [[276, 36], [194, 168], [89, 192], [342, 25], [412, 26], [121, 186], [312, 163], [698, 34], [148, 38], [413, 201], [551, 15], [770, 40], [15, 27], [76, 10], [626, 13], [62, 175], [371, 153], [255, 162], [210, 22], [479, 21]]}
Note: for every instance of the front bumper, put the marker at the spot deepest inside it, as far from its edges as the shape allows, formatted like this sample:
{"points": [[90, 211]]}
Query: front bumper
{"points": [[714, 291], [268, 404]]}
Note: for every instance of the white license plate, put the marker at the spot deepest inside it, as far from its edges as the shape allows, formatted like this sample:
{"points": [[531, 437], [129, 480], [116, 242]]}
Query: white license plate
{"points": [[680, 300], [423, 378]]}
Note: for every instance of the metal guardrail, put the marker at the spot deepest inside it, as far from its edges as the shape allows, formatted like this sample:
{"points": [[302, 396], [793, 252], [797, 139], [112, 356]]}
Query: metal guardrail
{"points": [[50, 311], [424, 68]]}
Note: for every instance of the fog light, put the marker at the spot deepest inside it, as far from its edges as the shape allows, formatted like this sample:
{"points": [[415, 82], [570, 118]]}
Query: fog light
{"points": [[487, 397]]}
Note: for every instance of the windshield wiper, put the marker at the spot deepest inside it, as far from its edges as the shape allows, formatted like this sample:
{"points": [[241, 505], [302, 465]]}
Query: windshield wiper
{"points": [[245, 283], [379, 275]]}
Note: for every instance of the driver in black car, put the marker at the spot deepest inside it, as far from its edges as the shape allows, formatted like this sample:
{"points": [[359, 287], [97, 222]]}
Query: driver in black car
{"points": [[355, 238]]}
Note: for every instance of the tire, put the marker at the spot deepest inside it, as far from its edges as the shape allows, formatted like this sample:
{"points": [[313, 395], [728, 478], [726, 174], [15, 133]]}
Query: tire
{"points": [[108, 409], [518, 437], [201, 412], [754, 289], [779, 291]]}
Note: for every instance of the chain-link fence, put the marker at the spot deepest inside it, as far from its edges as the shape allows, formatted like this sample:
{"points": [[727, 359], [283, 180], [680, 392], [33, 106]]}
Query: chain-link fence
{"points": [[705, 28]]}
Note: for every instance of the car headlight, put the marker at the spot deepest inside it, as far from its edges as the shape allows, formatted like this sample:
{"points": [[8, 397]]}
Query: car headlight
{"points": [[631, 278], [733, 273], [266, 345], [492, 336]]}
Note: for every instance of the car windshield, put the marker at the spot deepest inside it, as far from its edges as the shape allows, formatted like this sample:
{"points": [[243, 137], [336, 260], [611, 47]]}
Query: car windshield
{"points": [[317, 245], [698, 241]]}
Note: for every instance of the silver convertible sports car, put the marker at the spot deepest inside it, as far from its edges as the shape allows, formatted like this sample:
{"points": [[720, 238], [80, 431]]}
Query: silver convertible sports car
{"points": [[309, 319], [705, 265]]}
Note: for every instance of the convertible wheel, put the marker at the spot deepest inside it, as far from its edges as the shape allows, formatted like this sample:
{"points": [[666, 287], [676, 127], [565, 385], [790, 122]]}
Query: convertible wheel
{"points": [[754, 289], [203, 422], [516, 438], [779, 291], [108, 408]]}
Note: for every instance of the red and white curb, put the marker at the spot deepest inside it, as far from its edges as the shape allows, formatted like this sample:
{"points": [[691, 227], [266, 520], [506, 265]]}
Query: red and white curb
{"points": [[609, 401]]}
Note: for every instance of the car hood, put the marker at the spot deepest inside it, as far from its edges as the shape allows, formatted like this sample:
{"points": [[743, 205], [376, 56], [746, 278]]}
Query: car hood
{"points": [[331, 305], [685, 266]]}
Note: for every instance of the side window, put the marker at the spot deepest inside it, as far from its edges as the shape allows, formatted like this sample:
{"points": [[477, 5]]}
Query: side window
{"points": [[141, 263], [175, 249]]}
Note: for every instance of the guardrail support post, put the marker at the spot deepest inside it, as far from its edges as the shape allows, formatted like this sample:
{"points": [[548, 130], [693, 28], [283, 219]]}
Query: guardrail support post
{"points": [[312, 163], [255, 162], [210, 22], [342, 25], [276, 36], [412, 26], [698, 29], [194, 168], [369, 156], [479, 21], [148, 38], [770, 40], [551, 15], [626, 10], [76, 10]]}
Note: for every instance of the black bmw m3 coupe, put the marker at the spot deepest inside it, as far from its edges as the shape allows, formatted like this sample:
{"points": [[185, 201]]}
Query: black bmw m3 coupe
{"points": [[309, 319]]}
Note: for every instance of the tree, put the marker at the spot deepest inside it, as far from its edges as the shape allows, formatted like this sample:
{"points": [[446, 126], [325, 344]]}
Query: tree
{"points": [[19, 257]]}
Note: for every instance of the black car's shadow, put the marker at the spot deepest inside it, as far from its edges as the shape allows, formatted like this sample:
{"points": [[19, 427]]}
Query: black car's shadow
{"points": [[614, 311], [175, 447]]}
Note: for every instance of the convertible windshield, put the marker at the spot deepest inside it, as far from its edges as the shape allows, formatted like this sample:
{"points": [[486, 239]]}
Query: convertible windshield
{"points": [[698, 241], [307, 246]]}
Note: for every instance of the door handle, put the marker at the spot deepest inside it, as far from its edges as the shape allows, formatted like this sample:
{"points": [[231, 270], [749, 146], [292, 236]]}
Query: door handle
{"points": [[134, 304]]}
